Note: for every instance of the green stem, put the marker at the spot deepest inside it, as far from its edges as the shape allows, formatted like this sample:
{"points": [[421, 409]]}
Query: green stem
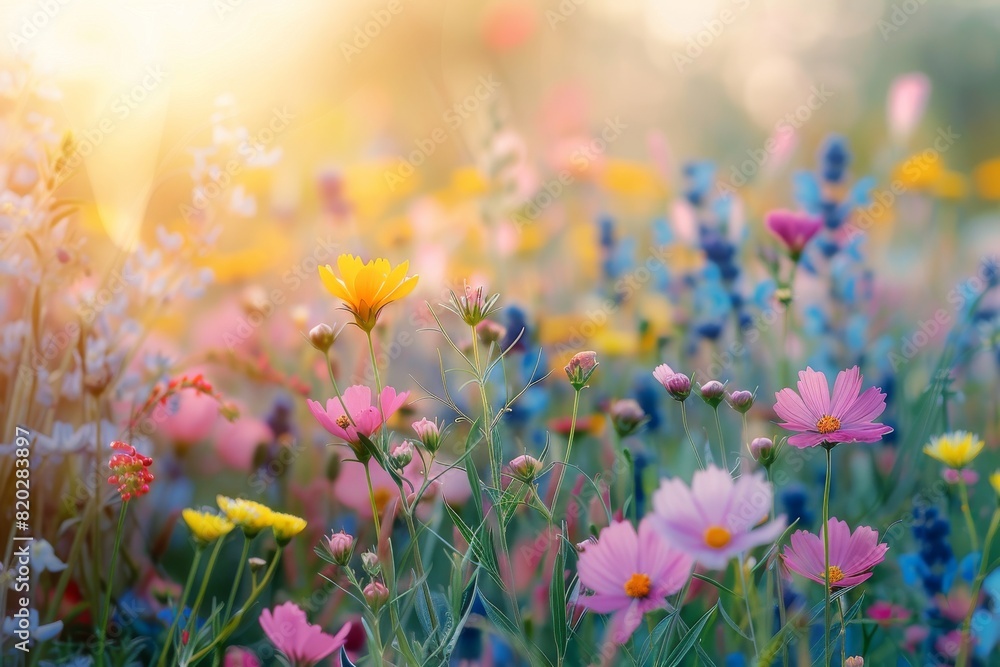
{"points": [[204, 582], [722, 440], [371, 498], [740, 565], [673, 621], [966, 641], [569, 451], [826, 553], [167, 643], [235, 621], [963, 492], [694, 448], [106, 610], [238, 579]]}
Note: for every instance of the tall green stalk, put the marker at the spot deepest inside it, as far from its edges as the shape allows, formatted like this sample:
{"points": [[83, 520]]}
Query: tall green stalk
{"points": [[102, 629], [826, 552], [569, 451]]}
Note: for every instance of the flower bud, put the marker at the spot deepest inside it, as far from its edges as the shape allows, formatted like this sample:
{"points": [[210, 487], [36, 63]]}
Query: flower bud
{"points": [[490, 332], [741, 401], [341, 547], [712, 392], [322, 337], [429, 433], [677, 385], [627, 416], [855, 661], [762, 449], [401, 454], [580, 368], [525, 467], [376, 595], [256, 564], [369, 560]]}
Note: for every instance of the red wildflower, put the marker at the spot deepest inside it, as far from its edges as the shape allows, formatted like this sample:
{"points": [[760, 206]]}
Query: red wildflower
{"points": [[129, 471]]}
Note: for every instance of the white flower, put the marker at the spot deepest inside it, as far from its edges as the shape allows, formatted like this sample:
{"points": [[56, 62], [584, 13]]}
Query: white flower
{"points": [[38, 633], [44, 559]]}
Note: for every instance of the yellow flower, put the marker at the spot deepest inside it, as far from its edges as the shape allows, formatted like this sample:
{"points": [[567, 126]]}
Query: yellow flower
{"points": [[367, 288], [206, 526], [956, 449], [995, 481], [286, 526], [250, 516]]}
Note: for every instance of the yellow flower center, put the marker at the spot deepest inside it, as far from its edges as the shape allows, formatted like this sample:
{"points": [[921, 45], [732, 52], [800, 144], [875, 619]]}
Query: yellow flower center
{"points": [[343, 421], [835, 574], [638, 585], [717, 537], [827, 424]]}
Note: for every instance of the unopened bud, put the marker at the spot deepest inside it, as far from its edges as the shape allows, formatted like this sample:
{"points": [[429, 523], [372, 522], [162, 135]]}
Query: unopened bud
{"points": [[322, 337], [401, 454], [341, 547], [376, 595], [580, 368], [627, 416], [712, 392], [741, 401]]}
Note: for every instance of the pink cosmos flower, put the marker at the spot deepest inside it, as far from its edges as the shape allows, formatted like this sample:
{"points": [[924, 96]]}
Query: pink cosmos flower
{"points": [[302, 644], [237, 656], [793, 229], [367, 418], [630, 574], [852, 556], [718, 517], [847, 417], [886, 612]]}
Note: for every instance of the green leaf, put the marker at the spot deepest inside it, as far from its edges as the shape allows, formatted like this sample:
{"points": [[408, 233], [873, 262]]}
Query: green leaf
{"points": [[692, 637], [731, 623], [557, 602]]}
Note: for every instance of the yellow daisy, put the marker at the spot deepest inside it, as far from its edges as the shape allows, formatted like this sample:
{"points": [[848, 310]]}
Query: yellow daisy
{"points": [[206, 526], [955, 450], [252, 517], [995, 482], [286, 526], [367, 288]]}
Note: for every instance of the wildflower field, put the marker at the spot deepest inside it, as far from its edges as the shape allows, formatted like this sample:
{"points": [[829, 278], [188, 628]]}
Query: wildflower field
{"points": [[504, 333]]}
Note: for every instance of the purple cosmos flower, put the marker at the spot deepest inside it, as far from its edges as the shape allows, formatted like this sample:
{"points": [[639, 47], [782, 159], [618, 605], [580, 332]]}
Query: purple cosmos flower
{"points": [[630, 574], [852, 557], [717, 517], [795, 230], [818, 418], [303, 644]]}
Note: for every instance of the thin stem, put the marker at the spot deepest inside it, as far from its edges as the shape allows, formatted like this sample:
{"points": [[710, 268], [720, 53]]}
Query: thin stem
{"points": [[569, 451], [371, 498], [180, 606], [419, 565], [722, 440], [782, 612], [966, 640], [963, 492], [204, 582], [673, 620], [694, 448], [826, 553], [843, 630], [106, 610], [740, 565], [234, 622], [238, 579]]}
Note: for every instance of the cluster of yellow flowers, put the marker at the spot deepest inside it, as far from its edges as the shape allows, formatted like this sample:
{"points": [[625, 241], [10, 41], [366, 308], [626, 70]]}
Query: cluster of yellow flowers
{"points": [[252, 517]]}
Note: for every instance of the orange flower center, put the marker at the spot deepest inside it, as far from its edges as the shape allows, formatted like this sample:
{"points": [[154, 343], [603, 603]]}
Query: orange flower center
{"points": [[343, 421], [717, 537], [382, 498], [827, 424], [835, 574], [638, 585]]}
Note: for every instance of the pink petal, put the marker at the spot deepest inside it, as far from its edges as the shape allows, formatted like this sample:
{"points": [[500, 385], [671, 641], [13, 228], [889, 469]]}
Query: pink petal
{"points": [[845, 390], [908, 97], [867, 407], [815, 391], [804, 440], [624, 623], [789, 406]]}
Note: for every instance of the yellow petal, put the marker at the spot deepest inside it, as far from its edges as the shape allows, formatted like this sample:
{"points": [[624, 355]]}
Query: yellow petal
{"points": [[392, 281], [332, 284]]}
